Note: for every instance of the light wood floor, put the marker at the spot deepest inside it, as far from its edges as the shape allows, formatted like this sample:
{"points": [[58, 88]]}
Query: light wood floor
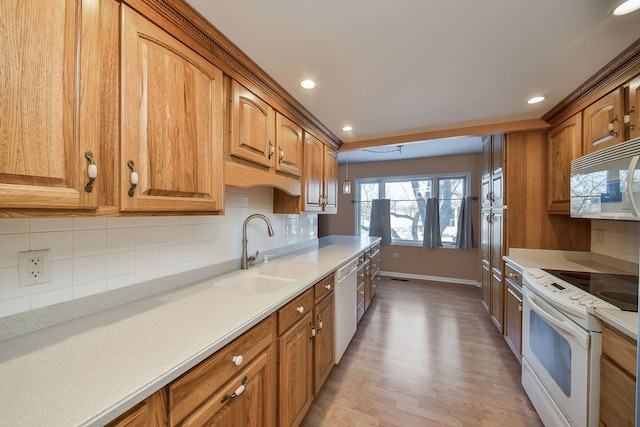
{"points": [[425, 354]]}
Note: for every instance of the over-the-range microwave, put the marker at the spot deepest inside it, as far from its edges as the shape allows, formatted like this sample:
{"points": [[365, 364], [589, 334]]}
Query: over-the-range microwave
{"points": [[606, 184]]}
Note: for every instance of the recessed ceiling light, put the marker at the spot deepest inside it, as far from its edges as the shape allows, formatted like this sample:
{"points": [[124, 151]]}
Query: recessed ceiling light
{"points": [[626, 7], [347, 128], [535, 100], [308, 84]]}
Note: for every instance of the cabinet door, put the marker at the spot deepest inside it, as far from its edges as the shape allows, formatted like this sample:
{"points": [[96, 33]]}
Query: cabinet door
{"points": [[313, 170], [633, 108], [330, 180], [252, 407], [151, 412], [171, 122], [295, 361], [603, 122], [289, 146], [252, 127], [497, 292], [45, 131], [486, 171], [323, 342], [564, 143], [486, 286], [617, 395], [513, 319]]}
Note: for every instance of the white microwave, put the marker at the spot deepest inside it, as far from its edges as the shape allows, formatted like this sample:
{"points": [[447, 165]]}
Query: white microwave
{"points": [[606, 184]]}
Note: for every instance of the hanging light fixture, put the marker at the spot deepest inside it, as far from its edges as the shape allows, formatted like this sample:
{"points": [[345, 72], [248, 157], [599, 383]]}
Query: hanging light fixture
{"points": [[346, 185]]}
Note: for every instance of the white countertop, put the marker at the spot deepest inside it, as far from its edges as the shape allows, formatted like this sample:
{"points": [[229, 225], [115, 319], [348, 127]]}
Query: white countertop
{"points": [[90, 370], [624, 321]]}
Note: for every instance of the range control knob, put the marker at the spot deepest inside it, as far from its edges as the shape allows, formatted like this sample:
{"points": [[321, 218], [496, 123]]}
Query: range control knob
{"points": [[586, 301], [576, 296]]}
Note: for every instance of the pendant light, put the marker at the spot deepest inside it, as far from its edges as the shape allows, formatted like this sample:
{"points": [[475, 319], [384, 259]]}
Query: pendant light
{"points": [[346, 185]]}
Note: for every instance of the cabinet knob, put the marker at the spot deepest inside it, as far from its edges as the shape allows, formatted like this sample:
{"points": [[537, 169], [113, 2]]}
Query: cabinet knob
{"points": [[92, 171], [512, 275], [237, 360], [300, 309], [328, 287]]}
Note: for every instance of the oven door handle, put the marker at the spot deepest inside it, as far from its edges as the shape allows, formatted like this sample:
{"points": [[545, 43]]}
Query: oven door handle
{"points": [[630, 195], [578, 334]]}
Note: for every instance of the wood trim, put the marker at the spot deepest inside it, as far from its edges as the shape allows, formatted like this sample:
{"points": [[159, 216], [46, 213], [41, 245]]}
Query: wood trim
{"points": [[229, 57], [622, 68], [505, 127]]}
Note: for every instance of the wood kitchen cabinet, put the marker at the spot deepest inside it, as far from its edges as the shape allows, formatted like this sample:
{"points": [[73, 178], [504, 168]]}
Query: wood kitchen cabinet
{"points": [[603, 122], [289, 146], [319, 181], [632, 110], [617, 379], [56, 70], [246, 367], [564, 143], [513, 311], [323, 342], [496, 225], [151, 412], [295, 359], [172, 121]]}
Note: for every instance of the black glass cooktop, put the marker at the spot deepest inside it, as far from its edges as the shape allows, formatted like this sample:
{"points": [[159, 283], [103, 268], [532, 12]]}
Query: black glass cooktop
{"points": [[620, 290]]}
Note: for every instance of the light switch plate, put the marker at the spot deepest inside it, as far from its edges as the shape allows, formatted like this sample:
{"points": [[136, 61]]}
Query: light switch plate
{"points": [[34, 267]]}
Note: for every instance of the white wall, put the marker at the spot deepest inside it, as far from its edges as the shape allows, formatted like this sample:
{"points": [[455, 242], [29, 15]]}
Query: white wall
{"points": [[93, 255]]}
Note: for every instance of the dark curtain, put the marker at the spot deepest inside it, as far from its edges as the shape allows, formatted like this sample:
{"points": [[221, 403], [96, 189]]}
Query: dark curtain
{"points": [[380, 225]]}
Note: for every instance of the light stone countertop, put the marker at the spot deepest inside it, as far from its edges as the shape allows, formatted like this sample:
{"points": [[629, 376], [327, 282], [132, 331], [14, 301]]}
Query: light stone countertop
{"points": [[88, 371], [624, 321]]}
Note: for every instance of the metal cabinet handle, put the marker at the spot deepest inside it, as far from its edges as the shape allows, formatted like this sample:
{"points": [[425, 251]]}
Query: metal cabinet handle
{"points": [[92, 171], [134, 177], [236, 393]]}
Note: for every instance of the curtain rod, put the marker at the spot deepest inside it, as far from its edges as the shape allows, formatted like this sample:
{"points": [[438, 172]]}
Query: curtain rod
{"points": [[408, 200]]}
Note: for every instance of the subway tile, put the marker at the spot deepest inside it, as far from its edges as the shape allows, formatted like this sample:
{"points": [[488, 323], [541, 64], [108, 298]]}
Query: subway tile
{"points": [[89, 269], [89, 223], [9, 288], [188, 220], [121, 222], [147, 259], [89, 288], [189, 233], [169, 220], [61, 277], [169, 235], [15, 306], [52, 297], [121, 281], [50, 224], [121, 239], [59, 242], [10, 245], [89, 242], [147, 221], [146, 237], [143, 276], [14, 225], [169, 255], [121, 263]]}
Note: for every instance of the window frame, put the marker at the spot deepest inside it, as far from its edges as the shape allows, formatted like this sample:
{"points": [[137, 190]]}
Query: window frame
{"points": [[435, 188]]}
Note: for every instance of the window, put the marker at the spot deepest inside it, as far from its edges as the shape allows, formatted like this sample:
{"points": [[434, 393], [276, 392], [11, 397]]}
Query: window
{"points": [[408, 195]]}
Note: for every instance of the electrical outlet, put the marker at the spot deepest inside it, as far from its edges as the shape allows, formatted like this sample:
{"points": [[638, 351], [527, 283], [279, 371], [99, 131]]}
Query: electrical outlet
{"points": [[34, 267]]}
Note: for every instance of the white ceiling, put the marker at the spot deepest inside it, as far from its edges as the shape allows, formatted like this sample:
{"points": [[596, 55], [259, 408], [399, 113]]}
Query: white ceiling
{"points": [[390, 67]]}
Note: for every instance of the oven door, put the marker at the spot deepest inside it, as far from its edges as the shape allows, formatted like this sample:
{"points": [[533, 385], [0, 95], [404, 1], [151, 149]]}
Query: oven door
{"points": [[557, 351]]}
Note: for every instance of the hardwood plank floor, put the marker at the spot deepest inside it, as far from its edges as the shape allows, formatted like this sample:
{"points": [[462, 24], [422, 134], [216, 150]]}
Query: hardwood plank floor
{"points": [[425, 354]]}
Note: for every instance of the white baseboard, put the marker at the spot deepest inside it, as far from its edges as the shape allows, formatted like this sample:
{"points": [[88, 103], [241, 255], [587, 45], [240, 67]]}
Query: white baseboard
{"points": [[432, 278]]}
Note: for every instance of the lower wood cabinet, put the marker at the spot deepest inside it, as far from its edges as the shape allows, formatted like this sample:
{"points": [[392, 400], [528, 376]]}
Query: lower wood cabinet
{"points": [[617, 379], [513, 311], [151, 412]]}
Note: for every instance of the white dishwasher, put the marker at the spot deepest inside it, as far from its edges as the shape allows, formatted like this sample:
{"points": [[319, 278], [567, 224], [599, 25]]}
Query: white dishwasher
{"points": [[346, 306]]}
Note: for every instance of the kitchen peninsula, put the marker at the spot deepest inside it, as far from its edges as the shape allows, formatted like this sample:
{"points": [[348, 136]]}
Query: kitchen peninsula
{"points": [[90, 370]]}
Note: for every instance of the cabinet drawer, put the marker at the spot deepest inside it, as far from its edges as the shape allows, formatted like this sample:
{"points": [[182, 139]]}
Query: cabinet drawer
{"points": [[323, 288], [195, 387], [290, 313], [360, 293], [512, 274], [620, 349]]}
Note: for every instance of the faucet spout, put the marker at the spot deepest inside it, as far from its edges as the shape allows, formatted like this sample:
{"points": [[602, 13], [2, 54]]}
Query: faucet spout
{"points": [[246, 260]]}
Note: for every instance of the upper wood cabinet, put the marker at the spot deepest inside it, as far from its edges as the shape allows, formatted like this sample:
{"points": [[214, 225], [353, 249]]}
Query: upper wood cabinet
{"points": [[320, 177], [492, 173], [49, 105], [289, 146], [632, 112], [171, 130], [564, 143], [603, 122], [252, 127]]}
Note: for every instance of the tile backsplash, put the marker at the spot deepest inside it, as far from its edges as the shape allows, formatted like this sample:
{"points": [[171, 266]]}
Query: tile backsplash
{"points": [[94, 255], [617, 239]]}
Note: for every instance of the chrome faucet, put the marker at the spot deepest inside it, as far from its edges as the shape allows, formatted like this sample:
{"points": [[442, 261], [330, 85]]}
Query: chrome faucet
{"points": [[246, 260]]}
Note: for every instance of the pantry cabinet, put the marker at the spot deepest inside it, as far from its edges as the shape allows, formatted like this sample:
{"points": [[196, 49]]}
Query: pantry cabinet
{"points": [[171, 129], [603, 122], [564, 143], [51, 100]]}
